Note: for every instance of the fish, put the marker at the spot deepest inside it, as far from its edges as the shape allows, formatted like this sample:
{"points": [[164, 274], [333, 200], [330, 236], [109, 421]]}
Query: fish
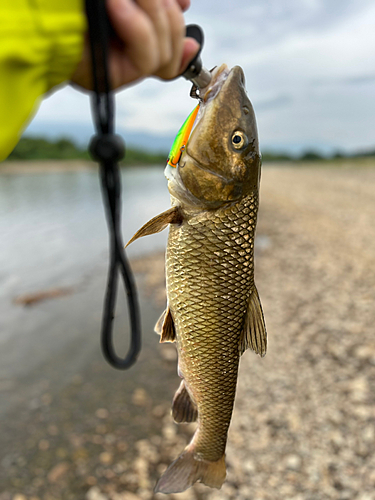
{"points": [[213, 309]]}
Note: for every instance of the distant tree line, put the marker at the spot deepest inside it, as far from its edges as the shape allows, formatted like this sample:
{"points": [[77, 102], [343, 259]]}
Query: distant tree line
{"points": [[311, 155], [39, 148]]}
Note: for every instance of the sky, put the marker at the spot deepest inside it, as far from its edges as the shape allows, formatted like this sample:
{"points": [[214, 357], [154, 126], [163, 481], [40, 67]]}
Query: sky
{"points": [[309, 67]]}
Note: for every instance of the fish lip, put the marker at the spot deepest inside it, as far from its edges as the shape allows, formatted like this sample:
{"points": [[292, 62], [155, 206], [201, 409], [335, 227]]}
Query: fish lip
{"points": [[216, 84]]}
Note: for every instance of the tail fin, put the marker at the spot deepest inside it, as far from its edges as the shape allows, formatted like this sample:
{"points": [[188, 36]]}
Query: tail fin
{"points": [[187, 470]]}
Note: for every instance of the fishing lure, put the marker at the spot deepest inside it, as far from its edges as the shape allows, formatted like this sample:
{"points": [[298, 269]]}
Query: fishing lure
{"points": [[182, 138]]}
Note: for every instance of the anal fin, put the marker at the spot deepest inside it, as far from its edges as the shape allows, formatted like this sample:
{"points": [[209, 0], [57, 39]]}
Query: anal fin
{"points": [[158, 223], [183, 408], [165, 327], [254, 334]]}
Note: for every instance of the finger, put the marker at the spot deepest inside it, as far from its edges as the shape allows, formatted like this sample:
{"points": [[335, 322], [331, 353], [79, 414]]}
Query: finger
{"points": [[177, 30], [190, 49], [135, 29], [184, 4], [157, 12]]}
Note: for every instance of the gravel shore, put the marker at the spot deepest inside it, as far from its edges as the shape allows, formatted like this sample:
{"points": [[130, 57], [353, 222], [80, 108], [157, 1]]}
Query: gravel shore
{"points": [[304, 421]]}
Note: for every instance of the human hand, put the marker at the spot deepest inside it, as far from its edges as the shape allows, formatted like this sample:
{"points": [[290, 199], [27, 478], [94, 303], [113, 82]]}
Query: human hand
{"points": [[150, 42]]}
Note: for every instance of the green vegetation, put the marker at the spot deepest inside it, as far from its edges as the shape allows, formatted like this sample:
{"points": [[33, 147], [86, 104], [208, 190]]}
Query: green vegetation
{"points": [[38, 148], [311, 155]]}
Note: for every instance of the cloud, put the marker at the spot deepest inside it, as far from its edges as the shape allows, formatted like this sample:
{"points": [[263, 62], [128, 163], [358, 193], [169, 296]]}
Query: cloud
{"points": [[308, 66], [274, 102]]}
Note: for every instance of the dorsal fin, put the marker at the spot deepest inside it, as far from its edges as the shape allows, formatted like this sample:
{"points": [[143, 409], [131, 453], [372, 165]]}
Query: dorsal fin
{"points": [[254, 334], [158, 223]]}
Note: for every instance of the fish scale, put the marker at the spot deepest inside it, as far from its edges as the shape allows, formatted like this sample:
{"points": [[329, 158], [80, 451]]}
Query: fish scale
{"points": [[210, 277]]}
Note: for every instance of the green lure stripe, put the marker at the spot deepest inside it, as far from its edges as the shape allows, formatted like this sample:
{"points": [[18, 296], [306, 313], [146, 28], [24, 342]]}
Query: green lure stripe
{"points": [[181, 139]]}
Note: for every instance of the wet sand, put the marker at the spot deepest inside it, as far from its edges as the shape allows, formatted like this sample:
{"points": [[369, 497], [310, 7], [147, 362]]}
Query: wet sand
{"points": [[304, 421]]}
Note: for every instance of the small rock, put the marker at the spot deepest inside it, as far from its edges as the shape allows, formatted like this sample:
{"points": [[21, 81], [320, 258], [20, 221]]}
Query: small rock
{"points": [[168, 352], [95, 494], [126, 495], [105, 458], [57, 472], [91, 480], [53, 430], [358, 389], [368, 434], [97, 439], [365, 352], [249, 466], [293, 462], [110, 438], [158, 411], [139, 397], [169, 432], [145, 494], [102, 413], [365, 496], [18, 496], [101, 429], [122, 446], [185, 495], [43, 444]]}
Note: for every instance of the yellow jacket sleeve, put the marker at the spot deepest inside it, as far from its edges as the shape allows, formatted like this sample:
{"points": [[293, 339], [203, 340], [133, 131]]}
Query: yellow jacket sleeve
{"points": [[41, 42]]}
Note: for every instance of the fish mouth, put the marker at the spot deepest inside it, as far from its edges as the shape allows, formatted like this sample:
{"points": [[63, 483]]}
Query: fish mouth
{"points": [[219, 76]]}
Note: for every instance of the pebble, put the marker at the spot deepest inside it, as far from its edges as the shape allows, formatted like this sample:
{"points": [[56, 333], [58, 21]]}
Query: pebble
{"points": [[140, 397], [158, 411], [43, 444], [126, 495], [102, 413], [168, 352], [95, 494], [293, 462], [58, 472], [105, 458]]}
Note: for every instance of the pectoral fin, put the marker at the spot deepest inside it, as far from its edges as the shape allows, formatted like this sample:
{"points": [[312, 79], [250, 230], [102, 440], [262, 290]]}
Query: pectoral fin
{"points": [[165, 327], [254, 334], [183, 408], [158, 223]]}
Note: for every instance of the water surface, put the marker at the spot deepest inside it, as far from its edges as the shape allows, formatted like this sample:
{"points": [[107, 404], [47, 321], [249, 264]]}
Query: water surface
{"points": [[53, 230]]}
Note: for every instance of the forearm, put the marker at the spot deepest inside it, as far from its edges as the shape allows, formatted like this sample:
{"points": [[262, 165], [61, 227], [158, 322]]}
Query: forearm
{"points": [[41, 43]]}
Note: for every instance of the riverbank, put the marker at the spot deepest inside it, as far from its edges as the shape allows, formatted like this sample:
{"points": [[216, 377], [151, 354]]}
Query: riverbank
{"points": [[53, 166], [304, 421], [60, 166]]}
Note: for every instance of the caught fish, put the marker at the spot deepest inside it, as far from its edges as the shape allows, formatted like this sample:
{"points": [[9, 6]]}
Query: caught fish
{"points": [[213, 313]]}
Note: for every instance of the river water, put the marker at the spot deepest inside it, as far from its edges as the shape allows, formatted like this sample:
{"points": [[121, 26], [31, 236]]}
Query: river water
{"points": [[53, 230]]}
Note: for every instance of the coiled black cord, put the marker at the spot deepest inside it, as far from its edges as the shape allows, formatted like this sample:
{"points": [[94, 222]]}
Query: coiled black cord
{"points": [[108, 149]]}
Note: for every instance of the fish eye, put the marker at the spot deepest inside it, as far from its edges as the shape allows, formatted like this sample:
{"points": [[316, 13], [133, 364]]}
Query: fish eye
{"points": [[239, 140]]}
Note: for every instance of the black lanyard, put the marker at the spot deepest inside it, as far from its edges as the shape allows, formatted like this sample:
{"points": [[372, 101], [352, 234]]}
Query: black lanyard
{"points": [[107, 149]]}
